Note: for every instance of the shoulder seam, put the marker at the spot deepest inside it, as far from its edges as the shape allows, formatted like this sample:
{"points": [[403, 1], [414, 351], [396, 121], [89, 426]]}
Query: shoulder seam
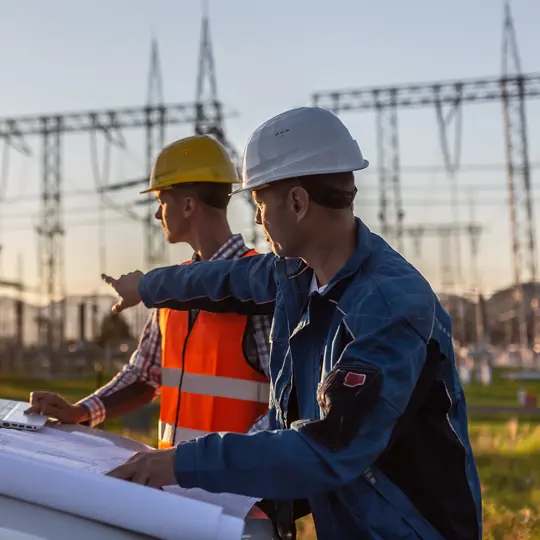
{"points": [[393, 318]]}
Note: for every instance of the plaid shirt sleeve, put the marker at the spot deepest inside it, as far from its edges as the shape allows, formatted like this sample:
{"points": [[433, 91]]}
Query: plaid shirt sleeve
{"points": [[144, 366], [258, 343], [258, 355]]}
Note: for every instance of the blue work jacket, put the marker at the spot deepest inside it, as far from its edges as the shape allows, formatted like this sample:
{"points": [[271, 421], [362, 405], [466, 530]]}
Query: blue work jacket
{"points": [[367, 416]]}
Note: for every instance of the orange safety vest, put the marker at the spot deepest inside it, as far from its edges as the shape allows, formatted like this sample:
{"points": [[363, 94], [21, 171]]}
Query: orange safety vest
{"points": [[207, 384]]}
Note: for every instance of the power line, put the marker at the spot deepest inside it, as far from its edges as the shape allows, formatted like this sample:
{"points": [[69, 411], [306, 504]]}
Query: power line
{"points": [[362, 202], [463, 169], [52, 129], [75, 224]]}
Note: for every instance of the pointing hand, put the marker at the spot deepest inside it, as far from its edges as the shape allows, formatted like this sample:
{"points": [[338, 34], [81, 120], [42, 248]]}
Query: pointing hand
{"points": [[127, 288]]}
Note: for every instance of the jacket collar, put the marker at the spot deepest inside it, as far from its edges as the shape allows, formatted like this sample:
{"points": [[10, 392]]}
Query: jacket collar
{"points": [[294, 266], [295, 276], [354, 263], [233, 248]]}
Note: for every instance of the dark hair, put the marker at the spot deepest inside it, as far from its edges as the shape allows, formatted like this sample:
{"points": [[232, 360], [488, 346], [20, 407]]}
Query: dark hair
{"points": [[213, 194], [335, 190]]}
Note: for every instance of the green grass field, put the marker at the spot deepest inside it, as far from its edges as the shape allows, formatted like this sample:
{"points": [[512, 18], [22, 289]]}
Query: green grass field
{"points": [[506, 451]]}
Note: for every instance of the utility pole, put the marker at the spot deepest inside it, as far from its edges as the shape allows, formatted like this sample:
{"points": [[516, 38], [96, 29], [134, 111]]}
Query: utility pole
{"points": [[512, 90], [210, 118], [476, 288], [451, 159], [51, 233], [391, 212], [52, 129], [155, 141], [520, 196]]}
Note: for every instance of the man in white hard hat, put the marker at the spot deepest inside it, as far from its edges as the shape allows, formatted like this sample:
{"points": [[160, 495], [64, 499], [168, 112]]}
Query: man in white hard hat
{"points": [[367, 412]]}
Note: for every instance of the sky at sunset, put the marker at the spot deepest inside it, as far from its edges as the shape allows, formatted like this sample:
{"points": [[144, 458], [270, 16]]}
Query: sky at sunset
{"points": [[270, 56]]}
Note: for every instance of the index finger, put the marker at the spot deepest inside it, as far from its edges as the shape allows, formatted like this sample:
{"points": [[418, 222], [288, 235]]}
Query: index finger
{"points": [[108, 279], [33, 409], [36, 397], [122, 472]]}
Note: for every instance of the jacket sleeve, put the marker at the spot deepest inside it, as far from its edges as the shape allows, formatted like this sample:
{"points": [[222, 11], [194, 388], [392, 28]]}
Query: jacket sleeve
{"points": [[362, 409], [245, 286]]}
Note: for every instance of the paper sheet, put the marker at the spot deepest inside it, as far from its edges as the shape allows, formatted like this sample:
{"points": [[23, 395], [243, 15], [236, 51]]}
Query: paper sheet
{"points": [[107, 500], [233, 505], [75, 459], [94, 454]]}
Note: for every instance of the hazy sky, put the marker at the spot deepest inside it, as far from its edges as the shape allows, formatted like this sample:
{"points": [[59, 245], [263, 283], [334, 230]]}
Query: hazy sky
{"points": [[270, 56]]}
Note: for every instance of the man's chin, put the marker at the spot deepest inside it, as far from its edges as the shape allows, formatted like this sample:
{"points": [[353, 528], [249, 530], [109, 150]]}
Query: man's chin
{"points": [[171, 239], [276, 248]]}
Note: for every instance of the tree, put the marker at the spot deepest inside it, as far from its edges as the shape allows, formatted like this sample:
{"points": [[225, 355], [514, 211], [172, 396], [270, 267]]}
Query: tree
{"points": [[113, 328]]}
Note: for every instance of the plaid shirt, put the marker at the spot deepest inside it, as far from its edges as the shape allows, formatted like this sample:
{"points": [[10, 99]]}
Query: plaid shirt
{"points": [[145, 363]]}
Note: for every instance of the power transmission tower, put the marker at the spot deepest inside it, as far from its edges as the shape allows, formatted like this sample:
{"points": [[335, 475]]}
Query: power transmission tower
{"points": [[511, 90], [52, 129], [391, 205], [155, 141], [451, 159], [51, 233], [210, 116], [518, 176], [208, 119], [454, 93], [481, 330]]}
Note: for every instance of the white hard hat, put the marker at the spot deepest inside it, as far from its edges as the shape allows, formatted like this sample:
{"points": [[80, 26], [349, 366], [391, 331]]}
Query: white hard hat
{"points": [[300, 142]]}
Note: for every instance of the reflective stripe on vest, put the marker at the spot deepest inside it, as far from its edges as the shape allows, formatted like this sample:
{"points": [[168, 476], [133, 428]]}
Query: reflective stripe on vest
{"points": [[207, 383], [212, 385], [182, 434]]}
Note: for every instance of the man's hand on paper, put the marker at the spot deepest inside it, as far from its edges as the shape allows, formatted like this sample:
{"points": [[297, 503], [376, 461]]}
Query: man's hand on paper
{"points": [[55, 406], [154, 468], [127, 288]]}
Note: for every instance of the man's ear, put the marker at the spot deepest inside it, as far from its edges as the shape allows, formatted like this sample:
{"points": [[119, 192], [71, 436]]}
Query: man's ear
{"points": [[299, 202], [189, 205]]}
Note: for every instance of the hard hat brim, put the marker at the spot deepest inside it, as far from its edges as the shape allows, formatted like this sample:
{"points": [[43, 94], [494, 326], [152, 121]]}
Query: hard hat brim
{"points": [[310, 173], [163, 188]]}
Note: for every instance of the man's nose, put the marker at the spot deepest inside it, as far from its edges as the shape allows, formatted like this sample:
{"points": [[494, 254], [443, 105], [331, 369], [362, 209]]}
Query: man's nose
{"points": [[158, 215], [258, 220]]}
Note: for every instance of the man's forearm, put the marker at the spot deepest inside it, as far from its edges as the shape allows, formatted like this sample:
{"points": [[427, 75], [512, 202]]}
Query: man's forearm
{"points": [[117, 403], [128, 399]]}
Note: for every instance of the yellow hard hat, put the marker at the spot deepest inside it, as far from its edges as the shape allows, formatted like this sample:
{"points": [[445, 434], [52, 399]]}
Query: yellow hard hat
{"points": [[200, 158]]}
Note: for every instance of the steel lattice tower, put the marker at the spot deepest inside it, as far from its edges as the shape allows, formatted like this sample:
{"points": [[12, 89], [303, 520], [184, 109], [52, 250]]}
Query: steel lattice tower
{"points": [[155, 252], [391, 212], [209, 114], [51, 235], [519, 180], [209, 108]]}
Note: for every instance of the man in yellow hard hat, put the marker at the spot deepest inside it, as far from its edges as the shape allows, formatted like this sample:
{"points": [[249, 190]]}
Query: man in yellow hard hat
{"points": [[210, 369]]}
